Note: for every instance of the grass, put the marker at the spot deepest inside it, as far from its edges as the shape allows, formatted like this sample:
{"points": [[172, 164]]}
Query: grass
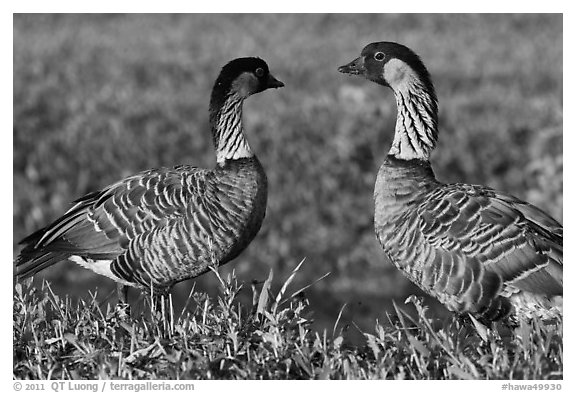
{"points": [[271, 338]]}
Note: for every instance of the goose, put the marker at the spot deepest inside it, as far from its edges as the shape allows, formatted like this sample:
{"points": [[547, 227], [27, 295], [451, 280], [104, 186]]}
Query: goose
{"points": [[478, 251], [165, 225]]}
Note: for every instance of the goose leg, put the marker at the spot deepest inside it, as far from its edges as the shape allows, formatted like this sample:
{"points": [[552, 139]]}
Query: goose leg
{"points": [[122, 293], [123, 307]]}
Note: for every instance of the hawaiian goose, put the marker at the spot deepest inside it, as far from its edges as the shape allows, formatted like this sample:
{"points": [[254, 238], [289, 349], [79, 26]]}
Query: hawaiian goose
{"points": [[476, 250], [165, 225]]}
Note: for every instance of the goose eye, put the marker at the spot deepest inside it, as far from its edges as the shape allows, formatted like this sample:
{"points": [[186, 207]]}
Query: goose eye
{"points": [[379, 56], [259, 72]]}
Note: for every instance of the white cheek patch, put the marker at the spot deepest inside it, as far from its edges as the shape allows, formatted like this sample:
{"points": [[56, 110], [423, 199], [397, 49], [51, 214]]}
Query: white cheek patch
{"points": [[398, 74], [245, 85]]}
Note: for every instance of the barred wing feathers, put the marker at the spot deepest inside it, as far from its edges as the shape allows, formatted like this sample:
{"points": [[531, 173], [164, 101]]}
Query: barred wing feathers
{"points": [[481, 242], [159, 226]]}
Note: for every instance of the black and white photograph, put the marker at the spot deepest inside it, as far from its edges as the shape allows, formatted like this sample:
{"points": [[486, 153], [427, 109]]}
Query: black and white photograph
{"points": [[287, 196]]}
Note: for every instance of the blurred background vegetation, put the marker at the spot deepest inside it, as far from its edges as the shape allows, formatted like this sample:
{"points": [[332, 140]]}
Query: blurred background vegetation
{"points": [[100, 97]]}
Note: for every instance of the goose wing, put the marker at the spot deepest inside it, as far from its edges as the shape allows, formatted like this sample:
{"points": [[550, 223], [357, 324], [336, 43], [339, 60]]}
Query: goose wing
{"points": [[480, 240], [102, 225]]}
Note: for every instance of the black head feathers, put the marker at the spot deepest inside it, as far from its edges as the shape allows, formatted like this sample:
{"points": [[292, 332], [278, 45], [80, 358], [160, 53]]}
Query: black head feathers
{"points": [[375, 56], [239, 79]]}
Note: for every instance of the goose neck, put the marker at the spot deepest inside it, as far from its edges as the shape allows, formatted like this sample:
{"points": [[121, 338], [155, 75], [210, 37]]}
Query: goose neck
{"points": [[228, 130], [416, 130]]}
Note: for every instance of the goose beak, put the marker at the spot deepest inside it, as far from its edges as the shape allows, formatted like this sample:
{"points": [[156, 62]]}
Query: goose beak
{"points": [[355, 67], [273, 82]]}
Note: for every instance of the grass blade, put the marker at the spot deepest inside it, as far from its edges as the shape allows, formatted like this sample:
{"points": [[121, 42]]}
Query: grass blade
{"points": [[264, 294]]}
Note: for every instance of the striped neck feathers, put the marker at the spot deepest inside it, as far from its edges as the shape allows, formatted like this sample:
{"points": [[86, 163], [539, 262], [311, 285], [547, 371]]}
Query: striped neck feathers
{"points": [[416, 130], [227, 130]]}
